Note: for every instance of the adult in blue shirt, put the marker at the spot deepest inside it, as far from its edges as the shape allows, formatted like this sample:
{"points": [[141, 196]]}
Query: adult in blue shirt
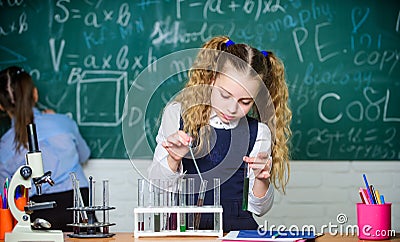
{"points": [[62, 146]]}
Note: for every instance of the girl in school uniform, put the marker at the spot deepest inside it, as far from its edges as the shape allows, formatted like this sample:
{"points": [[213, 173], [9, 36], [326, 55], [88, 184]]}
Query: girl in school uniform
{"points": [[234, 110], [62, 146]]}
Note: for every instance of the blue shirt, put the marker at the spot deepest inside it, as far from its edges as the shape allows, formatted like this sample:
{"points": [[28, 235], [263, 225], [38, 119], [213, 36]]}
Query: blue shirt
{"points": [[63, 151]]}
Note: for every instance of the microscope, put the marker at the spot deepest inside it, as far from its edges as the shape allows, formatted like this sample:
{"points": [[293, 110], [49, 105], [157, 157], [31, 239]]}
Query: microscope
{"points": [[31, 171]]}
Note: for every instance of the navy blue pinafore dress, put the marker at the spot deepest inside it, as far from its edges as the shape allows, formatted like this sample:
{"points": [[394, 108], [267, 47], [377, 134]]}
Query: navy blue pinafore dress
{"points": [[225, 162]]}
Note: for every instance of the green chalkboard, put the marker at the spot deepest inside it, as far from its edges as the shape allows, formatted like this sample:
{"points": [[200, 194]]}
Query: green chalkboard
{"points": [[341, 58]]}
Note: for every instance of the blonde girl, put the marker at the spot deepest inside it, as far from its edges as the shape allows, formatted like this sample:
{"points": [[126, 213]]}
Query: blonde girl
{"points": [[234, 108]]}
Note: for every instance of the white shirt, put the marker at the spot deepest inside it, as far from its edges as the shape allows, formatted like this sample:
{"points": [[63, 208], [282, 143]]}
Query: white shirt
{"points": [[170, 123]]}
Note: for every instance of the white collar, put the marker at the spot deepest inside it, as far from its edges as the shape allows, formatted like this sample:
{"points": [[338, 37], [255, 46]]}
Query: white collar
{"points": [[216, 122]]}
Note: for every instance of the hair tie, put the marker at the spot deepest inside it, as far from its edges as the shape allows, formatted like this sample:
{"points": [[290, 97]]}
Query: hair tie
{"points": [[229, 43], [19, 71], [265, 53]]}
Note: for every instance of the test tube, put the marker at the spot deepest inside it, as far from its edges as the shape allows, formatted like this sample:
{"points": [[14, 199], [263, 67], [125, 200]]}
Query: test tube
{"points": [[149, 200], [182, 203], [75, 185], [190, 202], [106, 204], [94, 193], [90, 191], [156, 203], [79, 199], [141, 185], [200, 202], [217, 184], [164, 196], [173, 202], [91, 217], [245, 188]]}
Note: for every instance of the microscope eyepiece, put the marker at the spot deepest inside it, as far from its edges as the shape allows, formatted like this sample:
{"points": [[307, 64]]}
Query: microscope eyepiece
{"points": [[32, 138]]}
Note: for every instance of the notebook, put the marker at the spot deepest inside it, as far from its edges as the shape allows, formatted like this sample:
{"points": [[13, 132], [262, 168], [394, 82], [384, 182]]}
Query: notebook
{"points": [[256, 235]]}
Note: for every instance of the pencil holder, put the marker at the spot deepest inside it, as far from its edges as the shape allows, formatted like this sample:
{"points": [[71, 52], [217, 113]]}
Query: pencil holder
{"points": [[21, 202], [6, 222], [374, 221]]}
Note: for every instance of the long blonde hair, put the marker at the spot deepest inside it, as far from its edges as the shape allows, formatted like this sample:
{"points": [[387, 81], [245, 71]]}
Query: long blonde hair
{"points": [[195, 100]]}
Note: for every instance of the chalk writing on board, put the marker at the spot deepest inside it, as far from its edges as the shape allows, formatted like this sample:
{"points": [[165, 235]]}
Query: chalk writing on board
{"points": [[90, 110], [19, 26], [371, 112], [92, 18], [363, 143], [10, 56], [342, 63], [398, 22], [255, 8]]}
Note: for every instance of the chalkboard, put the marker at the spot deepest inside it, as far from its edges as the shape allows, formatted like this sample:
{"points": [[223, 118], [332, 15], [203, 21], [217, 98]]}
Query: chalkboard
{"points": [[341, 61]]}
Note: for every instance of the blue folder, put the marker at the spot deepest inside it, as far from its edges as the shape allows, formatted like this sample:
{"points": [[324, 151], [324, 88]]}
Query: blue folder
{"points": [[254, 234]]}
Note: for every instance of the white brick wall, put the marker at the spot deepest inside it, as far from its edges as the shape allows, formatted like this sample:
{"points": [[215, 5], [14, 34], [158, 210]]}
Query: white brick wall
{"points": [[317, 193]]}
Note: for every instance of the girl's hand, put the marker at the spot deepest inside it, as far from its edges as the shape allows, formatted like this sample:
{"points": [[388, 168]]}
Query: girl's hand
{"points": [[261, 165], [177, 146]]}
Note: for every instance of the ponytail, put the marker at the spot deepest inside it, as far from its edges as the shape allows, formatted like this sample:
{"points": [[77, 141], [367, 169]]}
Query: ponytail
{"points": [[279, 93], [16, 98]]}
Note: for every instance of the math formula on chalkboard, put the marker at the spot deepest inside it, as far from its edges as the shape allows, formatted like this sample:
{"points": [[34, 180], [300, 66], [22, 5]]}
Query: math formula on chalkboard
{"points": [[342, 63]]}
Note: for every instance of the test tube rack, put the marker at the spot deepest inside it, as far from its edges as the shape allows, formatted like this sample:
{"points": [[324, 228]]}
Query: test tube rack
{"points": [[88, 213], [216, 210], [91, 227]]}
